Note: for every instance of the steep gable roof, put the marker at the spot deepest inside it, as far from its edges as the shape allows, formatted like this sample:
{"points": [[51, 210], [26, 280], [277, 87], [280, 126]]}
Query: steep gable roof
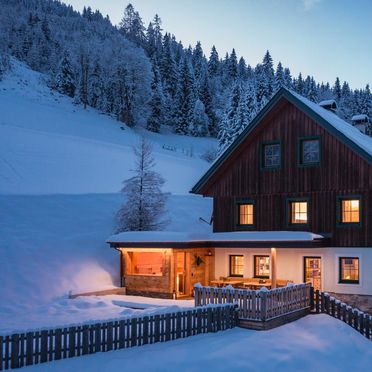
{"points": [[345, 132]]}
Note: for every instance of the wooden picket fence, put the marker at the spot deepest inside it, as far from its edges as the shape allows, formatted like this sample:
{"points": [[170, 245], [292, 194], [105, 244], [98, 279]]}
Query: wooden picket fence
{"points": [[24, 349], [322, 302], [258, 305]]}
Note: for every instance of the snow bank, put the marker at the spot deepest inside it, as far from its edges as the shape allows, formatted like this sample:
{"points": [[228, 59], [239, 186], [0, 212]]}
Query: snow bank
{"points": [[313, 343]]}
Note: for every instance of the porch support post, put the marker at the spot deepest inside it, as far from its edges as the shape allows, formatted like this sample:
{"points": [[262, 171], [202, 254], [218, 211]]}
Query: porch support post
{"points": [[273, 267]]}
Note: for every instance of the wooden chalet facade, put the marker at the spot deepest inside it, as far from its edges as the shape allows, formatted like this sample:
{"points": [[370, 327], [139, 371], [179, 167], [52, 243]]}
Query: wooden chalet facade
{"points": [[296, 168]]}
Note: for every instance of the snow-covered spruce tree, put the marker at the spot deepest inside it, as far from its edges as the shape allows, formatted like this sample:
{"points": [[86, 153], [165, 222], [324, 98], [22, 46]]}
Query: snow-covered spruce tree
{"points": [[65, 80], [185, 99], [279, 77], [144, 209], [199, 126], [227, 127], [156, 103]]}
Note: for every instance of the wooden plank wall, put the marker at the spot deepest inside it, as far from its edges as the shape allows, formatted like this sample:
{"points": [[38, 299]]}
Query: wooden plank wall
{"points": [[341, 172]]}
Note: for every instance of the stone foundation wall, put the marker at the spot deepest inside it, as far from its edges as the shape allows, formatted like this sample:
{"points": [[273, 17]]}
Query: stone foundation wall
{"points": [[361, 302]]}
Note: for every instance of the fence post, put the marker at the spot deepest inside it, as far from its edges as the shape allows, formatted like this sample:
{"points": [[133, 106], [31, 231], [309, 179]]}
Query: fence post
{"points": [[196, 296], [317, 301], [311, 298], [14, 362], [263, 297]]}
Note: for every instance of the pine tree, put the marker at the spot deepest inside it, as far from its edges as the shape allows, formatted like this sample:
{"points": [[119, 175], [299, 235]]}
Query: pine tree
{"points": [[337, 90], [242, 69], [124, 97], [346, 102], [206, 97], [199, 126], [96, 87], [287, 78], [279, 77], [213, 63], [299, 84], [65, 80], [185, 100], [131, 25], [145, 206], [227, 128], [156, 103], [232, 65]]}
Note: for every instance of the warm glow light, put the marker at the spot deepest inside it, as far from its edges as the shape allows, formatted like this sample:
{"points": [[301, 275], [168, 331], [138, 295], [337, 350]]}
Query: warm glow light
{"points": [[245, 214], [350, 211], [299, 212]]}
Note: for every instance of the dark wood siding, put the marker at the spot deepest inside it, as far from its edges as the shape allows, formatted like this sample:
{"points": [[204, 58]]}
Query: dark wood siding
{"points": [[341, 172]]}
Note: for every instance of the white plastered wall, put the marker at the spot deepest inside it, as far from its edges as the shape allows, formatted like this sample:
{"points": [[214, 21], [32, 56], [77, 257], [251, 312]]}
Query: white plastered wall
{"points": [[290, 265]]}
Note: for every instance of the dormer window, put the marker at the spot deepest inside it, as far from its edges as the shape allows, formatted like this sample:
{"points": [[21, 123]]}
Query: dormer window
{"points": [[271, 155], [309, 154]]}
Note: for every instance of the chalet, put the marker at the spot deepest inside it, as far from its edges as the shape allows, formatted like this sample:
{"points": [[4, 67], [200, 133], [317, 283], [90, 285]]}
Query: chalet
{"points": [[292, 202]]}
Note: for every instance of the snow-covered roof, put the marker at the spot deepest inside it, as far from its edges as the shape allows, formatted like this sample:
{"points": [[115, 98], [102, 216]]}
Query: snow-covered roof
{"points": [[327, 102], [360, 117], [362, 140], [344, 131], [185, 237]]}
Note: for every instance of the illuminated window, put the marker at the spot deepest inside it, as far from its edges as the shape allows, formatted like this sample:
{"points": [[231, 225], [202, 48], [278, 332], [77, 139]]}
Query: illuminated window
{"points": [[145, 263], [349, 270], [245, 213], [310, 151], [271, 155], [261, 266], [349, 210], [236, 265], [298, 212]]}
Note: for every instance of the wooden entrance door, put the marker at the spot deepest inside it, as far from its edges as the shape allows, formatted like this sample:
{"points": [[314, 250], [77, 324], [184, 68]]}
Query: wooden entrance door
{"points": [[181, 273], [313, 271]]}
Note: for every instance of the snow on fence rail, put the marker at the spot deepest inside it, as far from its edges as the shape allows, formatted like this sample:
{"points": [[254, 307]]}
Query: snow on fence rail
{"points": [[18, 350], [322, 302], [261, 305]]}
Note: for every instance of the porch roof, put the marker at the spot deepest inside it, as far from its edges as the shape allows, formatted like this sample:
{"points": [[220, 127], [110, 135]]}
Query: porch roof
{"points": [[237, 239]]}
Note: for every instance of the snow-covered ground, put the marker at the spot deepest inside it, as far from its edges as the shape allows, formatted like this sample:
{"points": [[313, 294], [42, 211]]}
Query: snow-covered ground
{"points": [[61, 168], [314, 343]]}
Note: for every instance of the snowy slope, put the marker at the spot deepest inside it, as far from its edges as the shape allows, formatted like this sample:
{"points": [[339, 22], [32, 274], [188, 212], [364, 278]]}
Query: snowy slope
{"points": [[48, 145], [61, 168], [314, 343]]}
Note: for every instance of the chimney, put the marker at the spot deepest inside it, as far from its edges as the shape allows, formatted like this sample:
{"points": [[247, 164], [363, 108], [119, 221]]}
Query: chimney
{"points": [[360, 122], [329, 104]]}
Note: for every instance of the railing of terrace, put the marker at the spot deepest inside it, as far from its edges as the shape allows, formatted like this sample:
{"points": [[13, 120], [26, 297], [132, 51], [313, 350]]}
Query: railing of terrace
{"points": [[261, 305]]}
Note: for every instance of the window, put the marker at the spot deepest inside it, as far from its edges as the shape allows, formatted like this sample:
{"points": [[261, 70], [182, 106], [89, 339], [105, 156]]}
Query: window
{"points": [[309, 151], [261, 266], [349, 210], [245, 213], [145, 263], [271, 157], [349, 270], [298, 212], [236, 265]]}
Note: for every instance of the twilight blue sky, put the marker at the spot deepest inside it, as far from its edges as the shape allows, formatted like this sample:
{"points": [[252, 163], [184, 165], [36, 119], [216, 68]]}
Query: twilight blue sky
{"points": [[324, 38]]}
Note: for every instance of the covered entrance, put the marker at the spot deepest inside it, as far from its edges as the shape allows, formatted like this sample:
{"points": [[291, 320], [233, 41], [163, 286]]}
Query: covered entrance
{"points": [[180, 273]]}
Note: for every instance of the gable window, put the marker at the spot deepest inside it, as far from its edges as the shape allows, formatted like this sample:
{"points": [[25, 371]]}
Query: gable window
{"points": [[298, 212], [271, 155], [261, 266], [236, 265], [349, 210], [349, 270], [245, 213], [309, 151]]}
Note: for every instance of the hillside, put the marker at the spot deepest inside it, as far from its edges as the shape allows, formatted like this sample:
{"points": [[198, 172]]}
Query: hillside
{"points": [[61, 168]]}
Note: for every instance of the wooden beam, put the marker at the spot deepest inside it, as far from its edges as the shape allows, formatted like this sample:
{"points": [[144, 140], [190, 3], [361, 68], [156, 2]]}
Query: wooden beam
{"points": [[273, 268]]}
